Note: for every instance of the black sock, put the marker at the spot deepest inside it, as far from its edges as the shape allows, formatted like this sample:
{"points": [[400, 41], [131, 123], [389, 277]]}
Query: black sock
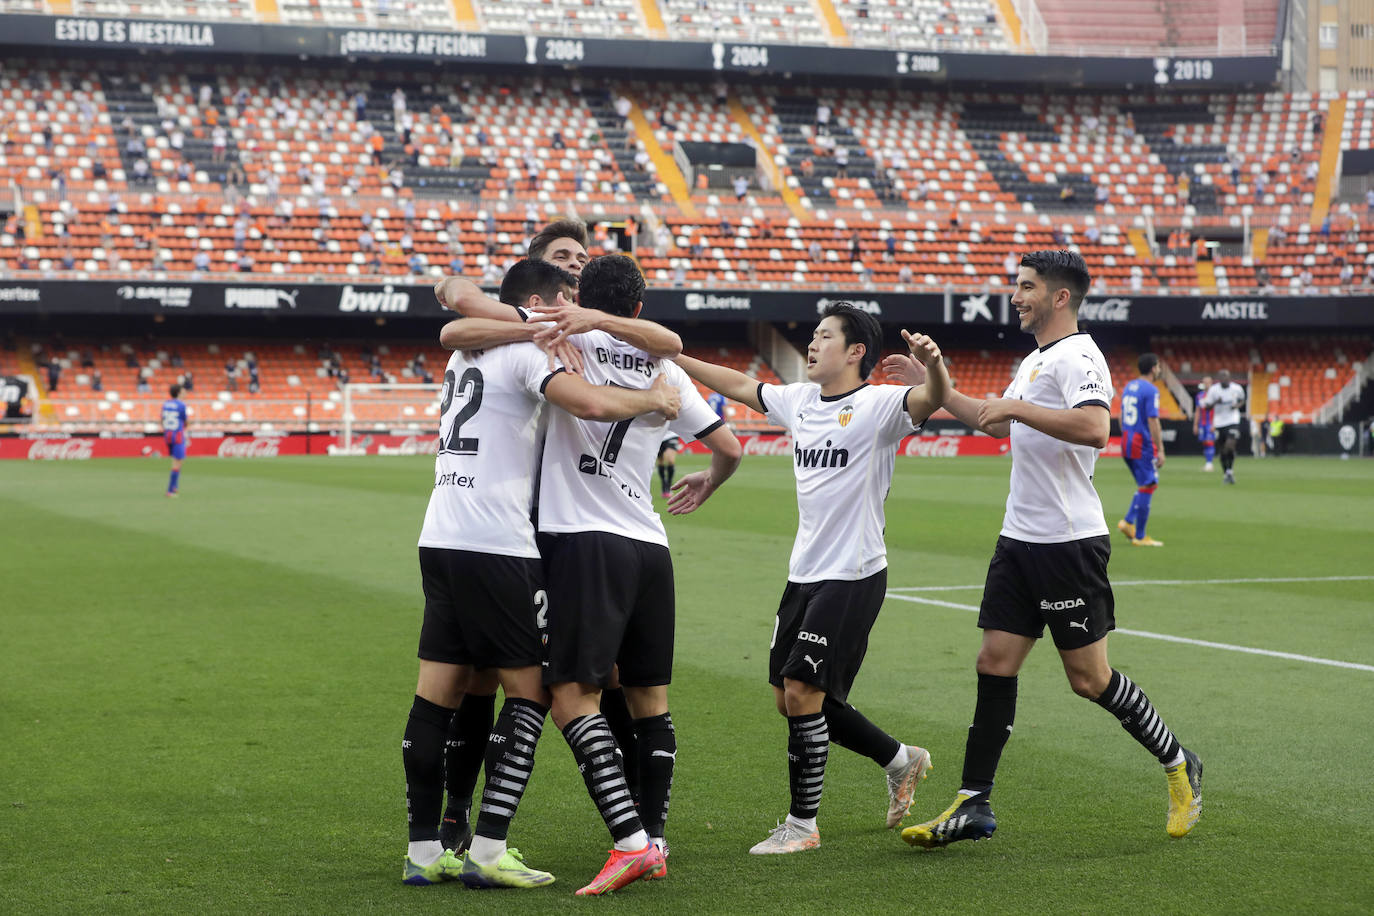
{"points": [[669, 471], [466, 749], [1128, 703], [616, 712], [422, 754], [808, 745], [657, 756], [594, 750], [992, 719], [510, 760], [852, 731]]}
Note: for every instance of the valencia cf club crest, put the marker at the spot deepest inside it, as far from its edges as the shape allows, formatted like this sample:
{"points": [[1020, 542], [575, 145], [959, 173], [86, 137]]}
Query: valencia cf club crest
{"points": [[1034, 373], [846, 415]]}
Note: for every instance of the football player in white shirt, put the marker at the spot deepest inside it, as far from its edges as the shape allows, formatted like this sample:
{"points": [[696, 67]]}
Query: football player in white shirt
{"points": [[1227, 400], [562, 243], [611, 574], [1050, 565], [845, 435], [483, 580]]}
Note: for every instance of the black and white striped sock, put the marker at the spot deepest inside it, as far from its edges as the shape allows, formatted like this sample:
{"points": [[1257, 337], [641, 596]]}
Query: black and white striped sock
{"points": [[1138, 716], [808, 744], [510, 760], [594, 749]]}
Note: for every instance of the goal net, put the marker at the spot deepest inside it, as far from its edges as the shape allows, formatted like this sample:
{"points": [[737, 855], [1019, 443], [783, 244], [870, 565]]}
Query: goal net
{"points": [[389, 408]]}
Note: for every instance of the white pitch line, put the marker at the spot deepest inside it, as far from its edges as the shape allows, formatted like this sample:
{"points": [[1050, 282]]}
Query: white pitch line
{"points": [[1167, 638], [1259, 581]]}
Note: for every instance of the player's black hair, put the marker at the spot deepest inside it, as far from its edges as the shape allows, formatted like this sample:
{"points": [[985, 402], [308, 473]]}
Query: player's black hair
{"points": [[558, 229], [859, 328], [612, 283], [534, 278], [1061, 269], [1147, 362], [174, 391]]}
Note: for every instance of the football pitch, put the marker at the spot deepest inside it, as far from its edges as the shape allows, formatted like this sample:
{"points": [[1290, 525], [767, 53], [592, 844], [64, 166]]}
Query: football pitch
{"points": [[202, 701]]}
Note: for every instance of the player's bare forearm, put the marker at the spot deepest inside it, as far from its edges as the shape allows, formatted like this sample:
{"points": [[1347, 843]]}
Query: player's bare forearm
{"points": [[929, 397], [608, 403], [966, 409], [694, 489], [1090, 424], [481, 333], [649, 336], [1158, 435], [467, 299], [732, 383]]}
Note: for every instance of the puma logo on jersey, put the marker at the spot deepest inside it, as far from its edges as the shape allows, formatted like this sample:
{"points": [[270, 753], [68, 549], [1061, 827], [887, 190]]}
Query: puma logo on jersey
{"points": [[812, 637], [1082, 626], [815, 665], [1065, 605], [821, 457]]}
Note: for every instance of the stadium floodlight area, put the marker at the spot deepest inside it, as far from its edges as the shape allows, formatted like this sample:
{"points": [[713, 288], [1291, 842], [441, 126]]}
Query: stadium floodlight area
{"points": [[381, 407]]}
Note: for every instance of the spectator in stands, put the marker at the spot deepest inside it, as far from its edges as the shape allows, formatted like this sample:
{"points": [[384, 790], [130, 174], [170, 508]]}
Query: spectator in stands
{"points": [[1306, 281], [855, 247], [360, 105], [398, 103], [890, 247], [1067, 194], [814, 249], [1347, 275], [1201, 250], [1369, 276], [808, 167], [396, 177], [231, 376], [97, 381], [1369, 202], [680, 274], [378, 145], [904, 275], [623, 107], [141, 384], [842, 162], [822, 118], [201, 261], [1137, 279], [721, 89], [1092, 234], [219, 144]]}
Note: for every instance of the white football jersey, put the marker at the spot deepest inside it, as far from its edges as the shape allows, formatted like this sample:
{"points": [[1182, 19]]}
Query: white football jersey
{"points": [[844, 448], [1052, 499], [595, 475], [1227, 403], [484, 473]]}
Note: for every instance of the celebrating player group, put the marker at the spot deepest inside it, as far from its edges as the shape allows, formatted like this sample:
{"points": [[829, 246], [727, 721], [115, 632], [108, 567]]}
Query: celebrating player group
{"points": [[546, 569]]}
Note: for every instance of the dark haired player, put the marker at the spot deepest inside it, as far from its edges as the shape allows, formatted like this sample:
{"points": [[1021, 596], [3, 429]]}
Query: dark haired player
{"points": [[1050, 564], [610, 573], [845, 434], [1227, 399], [174, 435], [484, 582]]}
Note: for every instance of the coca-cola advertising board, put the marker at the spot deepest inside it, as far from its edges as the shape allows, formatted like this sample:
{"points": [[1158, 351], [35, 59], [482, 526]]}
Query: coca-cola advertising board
{"points": [[250, 446]]}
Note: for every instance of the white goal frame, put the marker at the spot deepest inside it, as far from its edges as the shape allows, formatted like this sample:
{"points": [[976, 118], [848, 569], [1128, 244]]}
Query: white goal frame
{"points": [[417, 394]]}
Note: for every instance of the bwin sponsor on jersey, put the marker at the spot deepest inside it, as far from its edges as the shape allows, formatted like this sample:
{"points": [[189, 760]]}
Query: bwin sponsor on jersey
{"points": [[387, 300], [1065, 605], [819, 640], [821, 457]]}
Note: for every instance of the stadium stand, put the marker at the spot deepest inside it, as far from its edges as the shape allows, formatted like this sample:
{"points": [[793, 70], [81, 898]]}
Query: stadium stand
{"points": [[942, 25], [778, 21]]}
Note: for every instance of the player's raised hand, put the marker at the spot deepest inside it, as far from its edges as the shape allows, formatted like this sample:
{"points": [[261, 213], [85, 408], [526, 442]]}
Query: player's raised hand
{"points": [[441, 294], [670, 399], [997, 410], [690, 492], [904, 370], [925, 350], [565, 318], [568, 355]]}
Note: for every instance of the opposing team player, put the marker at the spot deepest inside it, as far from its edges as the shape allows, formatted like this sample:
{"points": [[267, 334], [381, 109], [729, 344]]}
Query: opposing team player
{"points": [[1050, 564], [1142, 447], [1227, 399], [1202, 423], [845, 434], [483, 580], [174, 435], [611, 576]]}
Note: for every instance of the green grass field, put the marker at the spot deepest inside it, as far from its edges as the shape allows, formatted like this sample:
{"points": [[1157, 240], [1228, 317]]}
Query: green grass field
{"points": [[202, 700]]}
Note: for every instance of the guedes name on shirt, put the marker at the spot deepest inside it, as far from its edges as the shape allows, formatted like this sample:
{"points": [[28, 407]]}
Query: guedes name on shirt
{"points": [[626, 361]]}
